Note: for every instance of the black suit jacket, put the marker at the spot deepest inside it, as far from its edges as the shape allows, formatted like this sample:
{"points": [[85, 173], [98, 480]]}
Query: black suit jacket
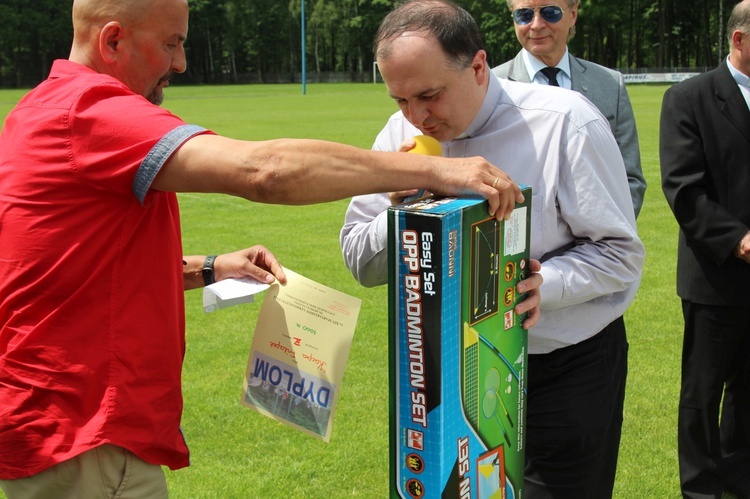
{"points": [[705, 164]]}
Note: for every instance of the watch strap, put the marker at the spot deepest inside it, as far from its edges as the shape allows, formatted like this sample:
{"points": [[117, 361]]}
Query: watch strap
{"points": [[208, 270]]}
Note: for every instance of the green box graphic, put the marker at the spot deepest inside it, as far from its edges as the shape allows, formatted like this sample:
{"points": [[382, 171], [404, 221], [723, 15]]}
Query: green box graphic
{"points": [[458, 351]]}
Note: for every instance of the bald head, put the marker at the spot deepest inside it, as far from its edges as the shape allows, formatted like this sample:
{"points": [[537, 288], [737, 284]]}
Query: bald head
{"points": [[90, 16], [738, 31], [739, 20], [139, 42], [93, 14]]}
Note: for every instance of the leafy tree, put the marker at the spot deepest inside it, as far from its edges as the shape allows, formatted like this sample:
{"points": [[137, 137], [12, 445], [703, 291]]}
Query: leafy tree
{"points": [[31, 37], [259, 40]]}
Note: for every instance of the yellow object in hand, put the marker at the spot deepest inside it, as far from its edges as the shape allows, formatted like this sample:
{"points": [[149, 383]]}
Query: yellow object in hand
{"points": [[427, 145]]}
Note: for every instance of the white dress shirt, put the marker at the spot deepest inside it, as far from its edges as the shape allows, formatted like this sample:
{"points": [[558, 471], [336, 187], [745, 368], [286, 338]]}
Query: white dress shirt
{"points": [[583, 225], [534, 67]]}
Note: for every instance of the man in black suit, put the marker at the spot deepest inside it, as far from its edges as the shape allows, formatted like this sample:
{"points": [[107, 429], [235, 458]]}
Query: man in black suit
{"points": [[705, 164]]}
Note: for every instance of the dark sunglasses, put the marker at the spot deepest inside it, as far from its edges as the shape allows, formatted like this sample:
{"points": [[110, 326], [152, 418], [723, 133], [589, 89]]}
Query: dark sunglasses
{"points": [[550, 13]]}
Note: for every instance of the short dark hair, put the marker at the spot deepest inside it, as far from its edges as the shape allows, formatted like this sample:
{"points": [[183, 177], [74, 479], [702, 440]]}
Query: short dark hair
{"points": [[453, 28]]}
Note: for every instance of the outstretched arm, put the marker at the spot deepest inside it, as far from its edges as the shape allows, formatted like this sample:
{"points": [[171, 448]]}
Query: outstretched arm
{"points": [[301, 171]]}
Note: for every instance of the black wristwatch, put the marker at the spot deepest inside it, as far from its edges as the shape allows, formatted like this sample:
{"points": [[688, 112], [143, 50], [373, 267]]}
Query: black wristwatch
{"points": [[208, 270]]}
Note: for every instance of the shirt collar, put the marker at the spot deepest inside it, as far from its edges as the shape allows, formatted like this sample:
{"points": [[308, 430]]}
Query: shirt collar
{"points": [[485, 112], [534, 65], [739, 77]]}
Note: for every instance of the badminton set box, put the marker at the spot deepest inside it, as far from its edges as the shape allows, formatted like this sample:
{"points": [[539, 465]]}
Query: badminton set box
{"points": [[458, 351]]}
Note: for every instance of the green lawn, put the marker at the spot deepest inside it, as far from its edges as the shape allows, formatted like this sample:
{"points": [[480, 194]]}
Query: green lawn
{"points": [[237, 453]]}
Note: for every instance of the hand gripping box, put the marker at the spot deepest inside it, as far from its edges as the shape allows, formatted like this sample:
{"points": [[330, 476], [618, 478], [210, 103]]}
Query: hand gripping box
{"points": [[458, 352]]}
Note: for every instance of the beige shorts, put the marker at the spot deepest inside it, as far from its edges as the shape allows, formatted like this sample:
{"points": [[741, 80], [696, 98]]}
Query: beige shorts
{"points": [[107, 471]]}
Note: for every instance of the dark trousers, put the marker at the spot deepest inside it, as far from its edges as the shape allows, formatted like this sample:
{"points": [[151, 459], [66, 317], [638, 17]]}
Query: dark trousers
{"points": [[714, 449], [574, 417]]}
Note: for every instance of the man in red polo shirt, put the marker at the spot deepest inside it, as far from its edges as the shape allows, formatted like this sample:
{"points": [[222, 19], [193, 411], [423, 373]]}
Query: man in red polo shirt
{"points": [[91, 264]]}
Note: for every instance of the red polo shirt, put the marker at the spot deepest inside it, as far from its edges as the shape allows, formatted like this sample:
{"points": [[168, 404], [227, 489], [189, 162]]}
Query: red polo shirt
{"points": [[91, 290]]}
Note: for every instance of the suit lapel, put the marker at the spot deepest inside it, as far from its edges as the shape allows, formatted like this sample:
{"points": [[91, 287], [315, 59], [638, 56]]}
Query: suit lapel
{"points": [[731, 102], [577, 71], [517, 70]]}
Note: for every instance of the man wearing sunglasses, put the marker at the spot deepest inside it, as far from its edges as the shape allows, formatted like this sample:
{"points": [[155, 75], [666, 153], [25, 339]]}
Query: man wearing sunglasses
{"points": [[544, 28], [431, 56]]}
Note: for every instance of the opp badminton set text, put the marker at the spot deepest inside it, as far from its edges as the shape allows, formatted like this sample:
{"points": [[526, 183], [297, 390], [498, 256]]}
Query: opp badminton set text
{"points": [[458, 351]]}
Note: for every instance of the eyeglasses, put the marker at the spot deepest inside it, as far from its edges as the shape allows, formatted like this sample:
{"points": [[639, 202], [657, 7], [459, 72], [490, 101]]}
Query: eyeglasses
{"points": [[550, 13]]}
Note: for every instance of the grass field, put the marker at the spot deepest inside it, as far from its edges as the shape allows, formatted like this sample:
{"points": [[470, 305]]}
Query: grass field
{"points": [[237, 453]]}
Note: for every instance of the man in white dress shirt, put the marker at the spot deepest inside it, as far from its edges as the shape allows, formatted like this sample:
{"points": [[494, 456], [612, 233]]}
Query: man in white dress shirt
{"points": [[583, 229]]}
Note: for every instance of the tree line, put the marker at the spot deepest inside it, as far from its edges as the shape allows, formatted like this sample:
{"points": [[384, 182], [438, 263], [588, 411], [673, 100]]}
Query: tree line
{"points": [[239, 41]]}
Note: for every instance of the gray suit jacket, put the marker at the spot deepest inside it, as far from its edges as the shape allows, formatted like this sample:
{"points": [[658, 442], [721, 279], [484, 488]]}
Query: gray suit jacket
{"points": [[605, 88]]}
